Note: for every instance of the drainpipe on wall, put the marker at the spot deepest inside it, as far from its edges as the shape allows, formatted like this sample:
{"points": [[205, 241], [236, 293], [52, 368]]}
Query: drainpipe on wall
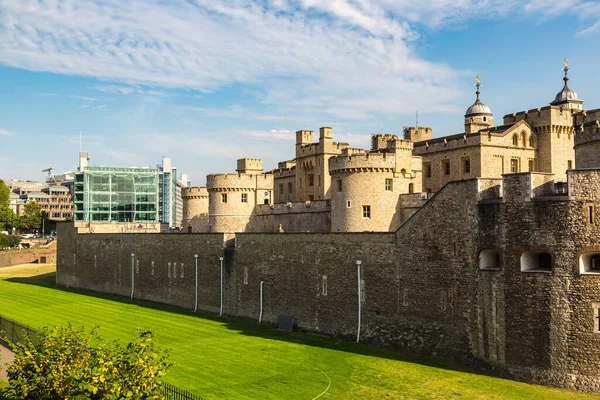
{"points": [[132, 274], [196, 303], [261, 302], [221, 311], [358, 263]]}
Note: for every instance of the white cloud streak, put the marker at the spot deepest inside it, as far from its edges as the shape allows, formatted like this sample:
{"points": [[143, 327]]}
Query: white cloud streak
{"points": [[350, 59], [4, 132]]}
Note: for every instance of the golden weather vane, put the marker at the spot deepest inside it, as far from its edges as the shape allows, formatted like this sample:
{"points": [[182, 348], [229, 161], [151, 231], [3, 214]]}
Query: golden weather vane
{"points": [[566, 63]]}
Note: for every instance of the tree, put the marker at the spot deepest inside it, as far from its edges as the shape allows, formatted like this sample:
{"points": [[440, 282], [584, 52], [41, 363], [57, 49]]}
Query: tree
{"points": [[66, 365], [9, 241], [32, 216], [8, 219], [4, 194]]}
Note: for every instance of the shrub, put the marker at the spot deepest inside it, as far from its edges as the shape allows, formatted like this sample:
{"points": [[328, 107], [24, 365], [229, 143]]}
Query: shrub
{"points": [[65, 365]]}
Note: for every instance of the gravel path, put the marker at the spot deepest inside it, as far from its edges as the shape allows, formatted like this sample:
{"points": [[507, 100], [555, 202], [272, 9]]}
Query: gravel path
{"points": [[7, 356]]}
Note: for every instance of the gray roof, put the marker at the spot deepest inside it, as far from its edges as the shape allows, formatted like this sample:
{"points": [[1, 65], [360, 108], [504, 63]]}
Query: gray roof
{"points": [[478, 108], [56, 189], [35, 195], [566, 94]]}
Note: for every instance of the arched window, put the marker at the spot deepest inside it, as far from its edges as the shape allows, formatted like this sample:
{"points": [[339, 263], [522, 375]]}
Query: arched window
{"points": [[515, 140], [523, 139], [411, 188], [532, 141]]}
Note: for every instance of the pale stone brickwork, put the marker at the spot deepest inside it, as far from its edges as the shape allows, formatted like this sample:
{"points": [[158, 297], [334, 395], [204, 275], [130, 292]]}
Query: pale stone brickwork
{"points": [[365, 186], [233, 199], [195, 210]]}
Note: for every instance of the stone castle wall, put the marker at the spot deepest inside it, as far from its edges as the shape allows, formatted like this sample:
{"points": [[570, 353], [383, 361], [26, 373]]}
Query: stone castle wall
{"points": [[587, 139], [430, 288]]}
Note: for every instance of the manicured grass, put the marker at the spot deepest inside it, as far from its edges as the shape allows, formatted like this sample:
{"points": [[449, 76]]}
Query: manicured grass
{"points": [[226, 358]]}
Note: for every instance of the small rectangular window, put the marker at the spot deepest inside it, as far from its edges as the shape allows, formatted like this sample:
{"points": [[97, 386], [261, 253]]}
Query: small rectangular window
{"points": [[466, 165], [318, 180], [290, 187], [324, 285], [514, 165], [339, 185], [223, 197], [244, 197], [590, 213], [428, 170], [388, 184], [281, 188], [245, 275], [348, 204], [446, 167], [311, 180], [366, 211], [569, 164], [531, 166]]}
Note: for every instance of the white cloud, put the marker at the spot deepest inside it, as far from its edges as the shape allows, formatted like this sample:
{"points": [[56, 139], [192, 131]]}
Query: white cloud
{"points": [[4, 132], [272, 134], [85, 98], [349, 59]]}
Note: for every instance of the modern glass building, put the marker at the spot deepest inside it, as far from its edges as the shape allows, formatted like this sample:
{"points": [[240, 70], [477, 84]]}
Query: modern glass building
{"points": [[103, 194]]}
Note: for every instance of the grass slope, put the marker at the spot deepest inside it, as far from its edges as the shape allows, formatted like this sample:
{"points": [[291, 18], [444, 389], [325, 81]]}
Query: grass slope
{"points": [[227, 358]]}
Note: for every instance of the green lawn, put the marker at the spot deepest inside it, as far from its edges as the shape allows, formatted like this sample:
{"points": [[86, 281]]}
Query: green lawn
{"points": [[226, 358]]}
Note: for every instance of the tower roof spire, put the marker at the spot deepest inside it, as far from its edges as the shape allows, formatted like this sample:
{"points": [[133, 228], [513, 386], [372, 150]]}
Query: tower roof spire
{"points": [[567, 96], [478, 108]]}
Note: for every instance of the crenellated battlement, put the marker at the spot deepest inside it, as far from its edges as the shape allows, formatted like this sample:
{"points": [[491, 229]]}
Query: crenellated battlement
{"points": [[218, 182], [249, 165], [418, 134], [380, 141], [285, 172], [194, 192], [362, 160]]}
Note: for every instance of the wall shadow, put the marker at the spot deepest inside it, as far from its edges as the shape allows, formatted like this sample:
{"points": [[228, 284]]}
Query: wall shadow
{"points": [[265, 331]]}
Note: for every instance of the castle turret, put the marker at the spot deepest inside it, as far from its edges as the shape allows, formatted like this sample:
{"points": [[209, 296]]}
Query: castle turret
{"points": [[567, 97], [478, 116]]}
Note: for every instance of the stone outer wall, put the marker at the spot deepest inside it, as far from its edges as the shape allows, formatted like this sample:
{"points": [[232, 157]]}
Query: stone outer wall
{"points": [[28, 257], [313, 216], [423, 288], [103, 263]]}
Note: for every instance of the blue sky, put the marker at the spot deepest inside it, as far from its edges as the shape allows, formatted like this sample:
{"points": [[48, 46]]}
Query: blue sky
{"points": [[206, 82]]}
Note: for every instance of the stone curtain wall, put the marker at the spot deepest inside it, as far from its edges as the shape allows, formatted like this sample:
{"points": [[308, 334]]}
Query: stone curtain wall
{"points": [[423, 288], [164, 265], [293, 266]]}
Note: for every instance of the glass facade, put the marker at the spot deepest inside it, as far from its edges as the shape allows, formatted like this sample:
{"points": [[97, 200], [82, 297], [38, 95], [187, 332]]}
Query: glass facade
{"points": [[116, 194]]}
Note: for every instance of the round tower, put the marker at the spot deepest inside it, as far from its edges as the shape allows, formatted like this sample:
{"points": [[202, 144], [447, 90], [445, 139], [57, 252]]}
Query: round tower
{"points": [[195, 209], [478, 116], [365, 188], [233, 197]]}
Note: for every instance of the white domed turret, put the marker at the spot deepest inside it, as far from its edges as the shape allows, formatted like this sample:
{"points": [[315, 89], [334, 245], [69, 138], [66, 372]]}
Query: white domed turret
{"points": [[567, 97], [478, 116]]}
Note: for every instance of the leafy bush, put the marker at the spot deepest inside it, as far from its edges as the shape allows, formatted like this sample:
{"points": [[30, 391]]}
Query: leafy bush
{"points": [[9, 241], [65, 365]]}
